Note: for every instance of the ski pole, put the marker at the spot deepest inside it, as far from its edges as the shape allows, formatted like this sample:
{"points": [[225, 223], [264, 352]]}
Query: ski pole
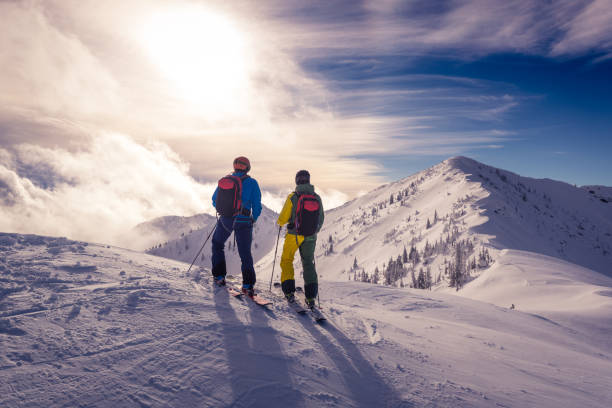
{"points": [[207, 238], [275, 251]]}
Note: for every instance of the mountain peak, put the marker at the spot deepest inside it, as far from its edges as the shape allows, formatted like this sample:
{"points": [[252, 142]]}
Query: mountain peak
{"points": [[463, 163]]}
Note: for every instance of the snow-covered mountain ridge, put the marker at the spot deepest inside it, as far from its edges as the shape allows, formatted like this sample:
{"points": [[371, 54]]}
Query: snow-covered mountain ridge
{"points": [[462, 203], [93, 325], [168, 228], [187, 235]]}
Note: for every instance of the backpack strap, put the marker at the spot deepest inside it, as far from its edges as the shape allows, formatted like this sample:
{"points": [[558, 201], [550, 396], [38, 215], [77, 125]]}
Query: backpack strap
{"points": [[295, 197], [243, 211]]}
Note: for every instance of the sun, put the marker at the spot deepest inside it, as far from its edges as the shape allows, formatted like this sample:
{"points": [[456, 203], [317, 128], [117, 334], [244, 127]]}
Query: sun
{"points": [[203, 55]]}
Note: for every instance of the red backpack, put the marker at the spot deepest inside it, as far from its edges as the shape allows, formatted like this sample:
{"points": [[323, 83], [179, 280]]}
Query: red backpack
{"points": [[307, 215], [229, 196]]}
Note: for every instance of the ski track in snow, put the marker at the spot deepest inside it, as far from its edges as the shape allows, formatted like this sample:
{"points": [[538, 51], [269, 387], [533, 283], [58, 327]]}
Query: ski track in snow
{"points": [[91, 325]]}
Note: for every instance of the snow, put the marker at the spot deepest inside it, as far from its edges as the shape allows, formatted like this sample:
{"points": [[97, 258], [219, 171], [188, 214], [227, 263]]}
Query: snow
{"points": [[539, 282], [92, 325], [168, 228], [184, 239], [493, 208], [85, 324]]}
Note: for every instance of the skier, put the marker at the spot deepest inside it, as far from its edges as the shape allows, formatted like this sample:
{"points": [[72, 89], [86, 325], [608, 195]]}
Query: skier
{"points": [[238, 202], [303, 212]]}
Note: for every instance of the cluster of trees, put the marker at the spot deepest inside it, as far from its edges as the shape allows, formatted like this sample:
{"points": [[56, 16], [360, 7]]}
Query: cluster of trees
{"points": [[457, 269], [423, 280], [405, 193], [412, 267], [400, 196], [429, 224]]}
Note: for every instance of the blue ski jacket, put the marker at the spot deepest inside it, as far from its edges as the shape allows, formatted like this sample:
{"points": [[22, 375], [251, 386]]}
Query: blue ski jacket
{"points": [[251, 197]]}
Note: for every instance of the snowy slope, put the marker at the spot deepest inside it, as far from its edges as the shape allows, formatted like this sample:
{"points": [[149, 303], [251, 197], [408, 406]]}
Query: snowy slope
{"points": [[168, 228], [89, 325], [186, 244], [566, 293], [542, 283], [467, 202], [602, 193]]}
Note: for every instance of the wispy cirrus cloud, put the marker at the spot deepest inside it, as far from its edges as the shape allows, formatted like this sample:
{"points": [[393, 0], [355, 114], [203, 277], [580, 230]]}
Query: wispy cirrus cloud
{"points": [[589, 30], [469, 28]]}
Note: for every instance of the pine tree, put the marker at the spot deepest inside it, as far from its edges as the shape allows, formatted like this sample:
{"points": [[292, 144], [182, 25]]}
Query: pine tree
{"points": [[457, 269], [428, 279], [428, 224], [389, 272], [355, 266], [435, 216], [414, 255], [391, 199], [376, 276], [405, 256], [421, 279]]}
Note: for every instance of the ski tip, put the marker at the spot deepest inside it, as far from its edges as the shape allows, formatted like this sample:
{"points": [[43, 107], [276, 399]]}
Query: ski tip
{"points": [[261, 301], [316, 314]]}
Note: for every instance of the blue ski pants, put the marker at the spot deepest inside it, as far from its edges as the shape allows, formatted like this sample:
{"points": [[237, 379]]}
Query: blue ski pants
{"points": [[243, 231]]}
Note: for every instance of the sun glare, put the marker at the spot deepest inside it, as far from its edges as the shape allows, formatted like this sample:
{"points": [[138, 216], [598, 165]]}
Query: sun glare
{"points": [[203, 55]]}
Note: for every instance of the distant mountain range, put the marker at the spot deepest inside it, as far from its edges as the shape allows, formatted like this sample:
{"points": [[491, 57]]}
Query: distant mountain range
{"points": [[180, 238]]}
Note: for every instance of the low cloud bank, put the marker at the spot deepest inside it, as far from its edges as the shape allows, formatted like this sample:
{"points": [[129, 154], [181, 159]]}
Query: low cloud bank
{"points": [[99, 191], [96, 192]]}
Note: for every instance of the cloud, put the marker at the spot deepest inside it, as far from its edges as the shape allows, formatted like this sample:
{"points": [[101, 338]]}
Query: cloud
{"points": [[590, 30], [465, 28], [98, 192], [80, 68], [284, 123], [104, 188], [48, 72], [331, 198]]}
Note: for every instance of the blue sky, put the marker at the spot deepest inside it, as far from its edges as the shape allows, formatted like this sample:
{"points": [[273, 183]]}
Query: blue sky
{"points": [[534, 107], [560, 126]]}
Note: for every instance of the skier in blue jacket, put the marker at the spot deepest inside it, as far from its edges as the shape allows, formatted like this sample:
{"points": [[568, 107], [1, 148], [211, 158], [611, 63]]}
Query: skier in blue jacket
{"points": [[241, 225]]}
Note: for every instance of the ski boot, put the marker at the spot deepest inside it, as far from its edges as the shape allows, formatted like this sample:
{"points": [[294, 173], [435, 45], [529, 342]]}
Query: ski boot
{"points": [[294, 304], [314, 310], [310, 303], [248, 290], [220, 280]]}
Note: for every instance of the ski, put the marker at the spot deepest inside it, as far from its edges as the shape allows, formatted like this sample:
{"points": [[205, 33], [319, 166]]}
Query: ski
{"points": [[317, 315], [299, 309], [260, 300], [234, 292]]}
